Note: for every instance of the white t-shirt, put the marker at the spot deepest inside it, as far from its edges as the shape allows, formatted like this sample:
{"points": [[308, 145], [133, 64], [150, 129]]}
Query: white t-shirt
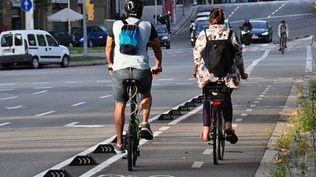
{"points": [[141, 60]]}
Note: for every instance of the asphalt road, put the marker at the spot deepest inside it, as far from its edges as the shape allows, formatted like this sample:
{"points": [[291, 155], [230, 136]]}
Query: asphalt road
{"points": [[47, 116]]}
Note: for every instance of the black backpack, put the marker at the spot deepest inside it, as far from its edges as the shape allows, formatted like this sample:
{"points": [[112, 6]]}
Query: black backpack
{"points": [[218, 55], [129, 38]]}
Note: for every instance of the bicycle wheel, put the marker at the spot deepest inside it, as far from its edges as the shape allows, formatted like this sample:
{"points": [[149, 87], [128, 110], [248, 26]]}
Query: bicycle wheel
{"points": [[130, 146], [221, 137], [215, 135]]}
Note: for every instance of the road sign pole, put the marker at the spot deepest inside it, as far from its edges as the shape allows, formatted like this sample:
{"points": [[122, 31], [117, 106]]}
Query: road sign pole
{"points": [[29, 17]]}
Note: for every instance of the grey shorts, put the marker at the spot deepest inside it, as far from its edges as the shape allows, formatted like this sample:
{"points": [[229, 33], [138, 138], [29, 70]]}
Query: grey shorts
{"points": [[120, 90]]}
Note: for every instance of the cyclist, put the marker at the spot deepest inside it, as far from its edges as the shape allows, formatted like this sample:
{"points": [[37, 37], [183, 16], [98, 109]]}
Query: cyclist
{"points": [[216, 31], [283, 29], [119, 64], [247, 25]]}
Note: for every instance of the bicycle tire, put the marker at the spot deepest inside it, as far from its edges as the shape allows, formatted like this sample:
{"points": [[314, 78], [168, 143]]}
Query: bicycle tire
{"points": [[221, 137], [130, 146], [215, 135]]}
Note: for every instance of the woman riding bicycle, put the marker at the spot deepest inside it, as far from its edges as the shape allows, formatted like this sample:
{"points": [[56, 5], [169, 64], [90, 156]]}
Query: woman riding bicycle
{"points": [[283, 31], [218, 31]]}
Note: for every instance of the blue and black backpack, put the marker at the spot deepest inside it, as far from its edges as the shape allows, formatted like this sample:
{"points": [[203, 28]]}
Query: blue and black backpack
{"points": [[129, 38]]}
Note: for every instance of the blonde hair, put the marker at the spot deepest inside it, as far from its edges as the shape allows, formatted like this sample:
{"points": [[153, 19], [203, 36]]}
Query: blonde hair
{"points": [[217, 16]]}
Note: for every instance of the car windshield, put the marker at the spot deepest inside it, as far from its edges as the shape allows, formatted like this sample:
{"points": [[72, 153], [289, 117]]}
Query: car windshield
{"points": [[258, 25], [161, 29], [202, 26]]}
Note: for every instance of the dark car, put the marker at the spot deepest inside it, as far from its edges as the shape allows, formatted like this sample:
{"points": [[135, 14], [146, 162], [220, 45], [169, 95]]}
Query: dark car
{"points": [[199, 25], [63, 38], [164, 35], [96, 36], [261, 30]]}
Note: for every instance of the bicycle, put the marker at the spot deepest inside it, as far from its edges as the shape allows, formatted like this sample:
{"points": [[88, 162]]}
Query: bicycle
{"points": [[133, 133], [215, 93], [282, 43]]}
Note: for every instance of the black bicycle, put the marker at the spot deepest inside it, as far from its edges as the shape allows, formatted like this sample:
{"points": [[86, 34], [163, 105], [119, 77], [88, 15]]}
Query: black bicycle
{"points": [[133, 134], [215, 93]]}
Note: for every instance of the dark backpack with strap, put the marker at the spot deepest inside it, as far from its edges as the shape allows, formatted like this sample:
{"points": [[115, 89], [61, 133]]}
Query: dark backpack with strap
{"points": [[129, 38], [218, 55]]}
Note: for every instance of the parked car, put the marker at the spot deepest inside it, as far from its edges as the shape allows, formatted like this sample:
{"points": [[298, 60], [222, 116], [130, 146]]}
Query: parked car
{"points": [[31, 47], [261, 30], [63, 38], [164, 35], [96, 36]]}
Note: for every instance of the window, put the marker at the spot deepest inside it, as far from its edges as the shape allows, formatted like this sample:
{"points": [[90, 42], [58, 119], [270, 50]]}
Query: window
{"points": [[6, 40], [31, 39], [18, 40], [51, 41], [41, 40]]}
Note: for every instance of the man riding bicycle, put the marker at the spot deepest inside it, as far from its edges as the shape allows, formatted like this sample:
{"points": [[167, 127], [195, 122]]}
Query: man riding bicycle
{"points": [[283, 31], [119, 65], [218, 31]]}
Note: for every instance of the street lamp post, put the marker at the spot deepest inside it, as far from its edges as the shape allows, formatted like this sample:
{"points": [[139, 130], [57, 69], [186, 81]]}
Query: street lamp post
{"points": [[84, 21]]}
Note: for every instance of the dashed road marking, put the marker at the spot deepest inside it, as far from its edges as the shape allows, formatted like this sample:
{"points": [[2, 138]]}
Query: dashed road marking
{"points": [[78, 104], [44, 113], [72, 82], [40, 92], [197, 164], [38, 88], [167, 79], [259, 98], [164, 128], [15, 107], [74, 124], [234, 125], [4, 124], [8, 98], [238, 120], [39, 83], [256, 102], [105, 96], [244, 115], [253, 105], [248, 110], [7, 84], [208, 152]]}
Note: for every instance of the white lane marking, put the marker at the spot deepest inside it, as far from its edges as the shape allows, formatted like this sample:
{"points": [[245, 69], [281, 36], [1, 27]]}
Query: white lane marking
{"points": [[170, 79], [232, 13], [102, 81], [186, 115], [253, 105], [78, 104], [309, 60], [15, 107], [4, 124], [164, 128], [256, 102], [7, 84], [259, 98], [105, 96], [197, 164], [191, 79], [36, 93], [208, 152], [38, 88], [248, 110], [261, 95], [74, 124], [234, 125], [244, 115], [238, 120], [72, 82], [39, 83], [44, 113], [255, 62], [8, 98]]}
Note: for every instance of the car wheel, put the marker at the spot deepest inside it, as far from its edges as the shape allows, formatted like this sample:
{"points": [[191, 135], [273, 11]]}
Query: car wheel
{"points": [[65, 61], [90, 43], [35, 63]]}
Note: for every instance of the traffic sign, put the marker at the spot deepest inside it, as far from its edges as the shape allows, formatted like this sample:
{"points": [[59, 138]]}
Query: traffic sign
{"points": [[26, 5]]}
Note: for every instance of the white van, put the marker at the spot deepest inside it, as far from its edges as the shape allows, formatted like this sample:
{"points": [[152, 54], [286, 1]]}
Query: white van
{"points": [[32, 47]]}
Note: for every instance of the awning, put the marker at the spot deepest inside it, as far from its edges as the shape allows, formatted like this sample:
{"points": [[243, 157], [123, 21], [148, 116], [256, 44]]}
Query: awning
{"points": [[62, 16]]}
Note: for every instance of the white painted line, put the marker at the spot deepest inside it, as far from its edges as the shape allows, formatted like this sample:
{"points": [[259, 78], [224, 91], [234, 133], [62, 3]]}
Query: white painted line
{"points": [[259, 98], [2, 89], [8, 98], [186, 115], [268, 86], [238, 120], [15, 107], [244, 115], [44, 113], [78, 104], [39, 83], [256, 102], [105, 96], [40, 92], [253, 105], [192, 79], [7, 84], [234, 125], [170, 79], [309, 60], [197, 164], [155, 84], [38, 88], [72, 82], [248, 110], [208, 152], [255, 62], [102, 81], [261, 95], [74, 124], [164, 128], [5, 123], [184, 83]]}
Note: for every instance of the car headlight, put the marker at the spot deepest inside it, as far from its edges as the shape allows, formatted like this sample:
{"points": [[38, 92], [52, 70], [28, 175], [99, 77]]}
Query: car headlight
{"points": [[81, 39], [164, 38], [243, 32], [265, 33]]}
